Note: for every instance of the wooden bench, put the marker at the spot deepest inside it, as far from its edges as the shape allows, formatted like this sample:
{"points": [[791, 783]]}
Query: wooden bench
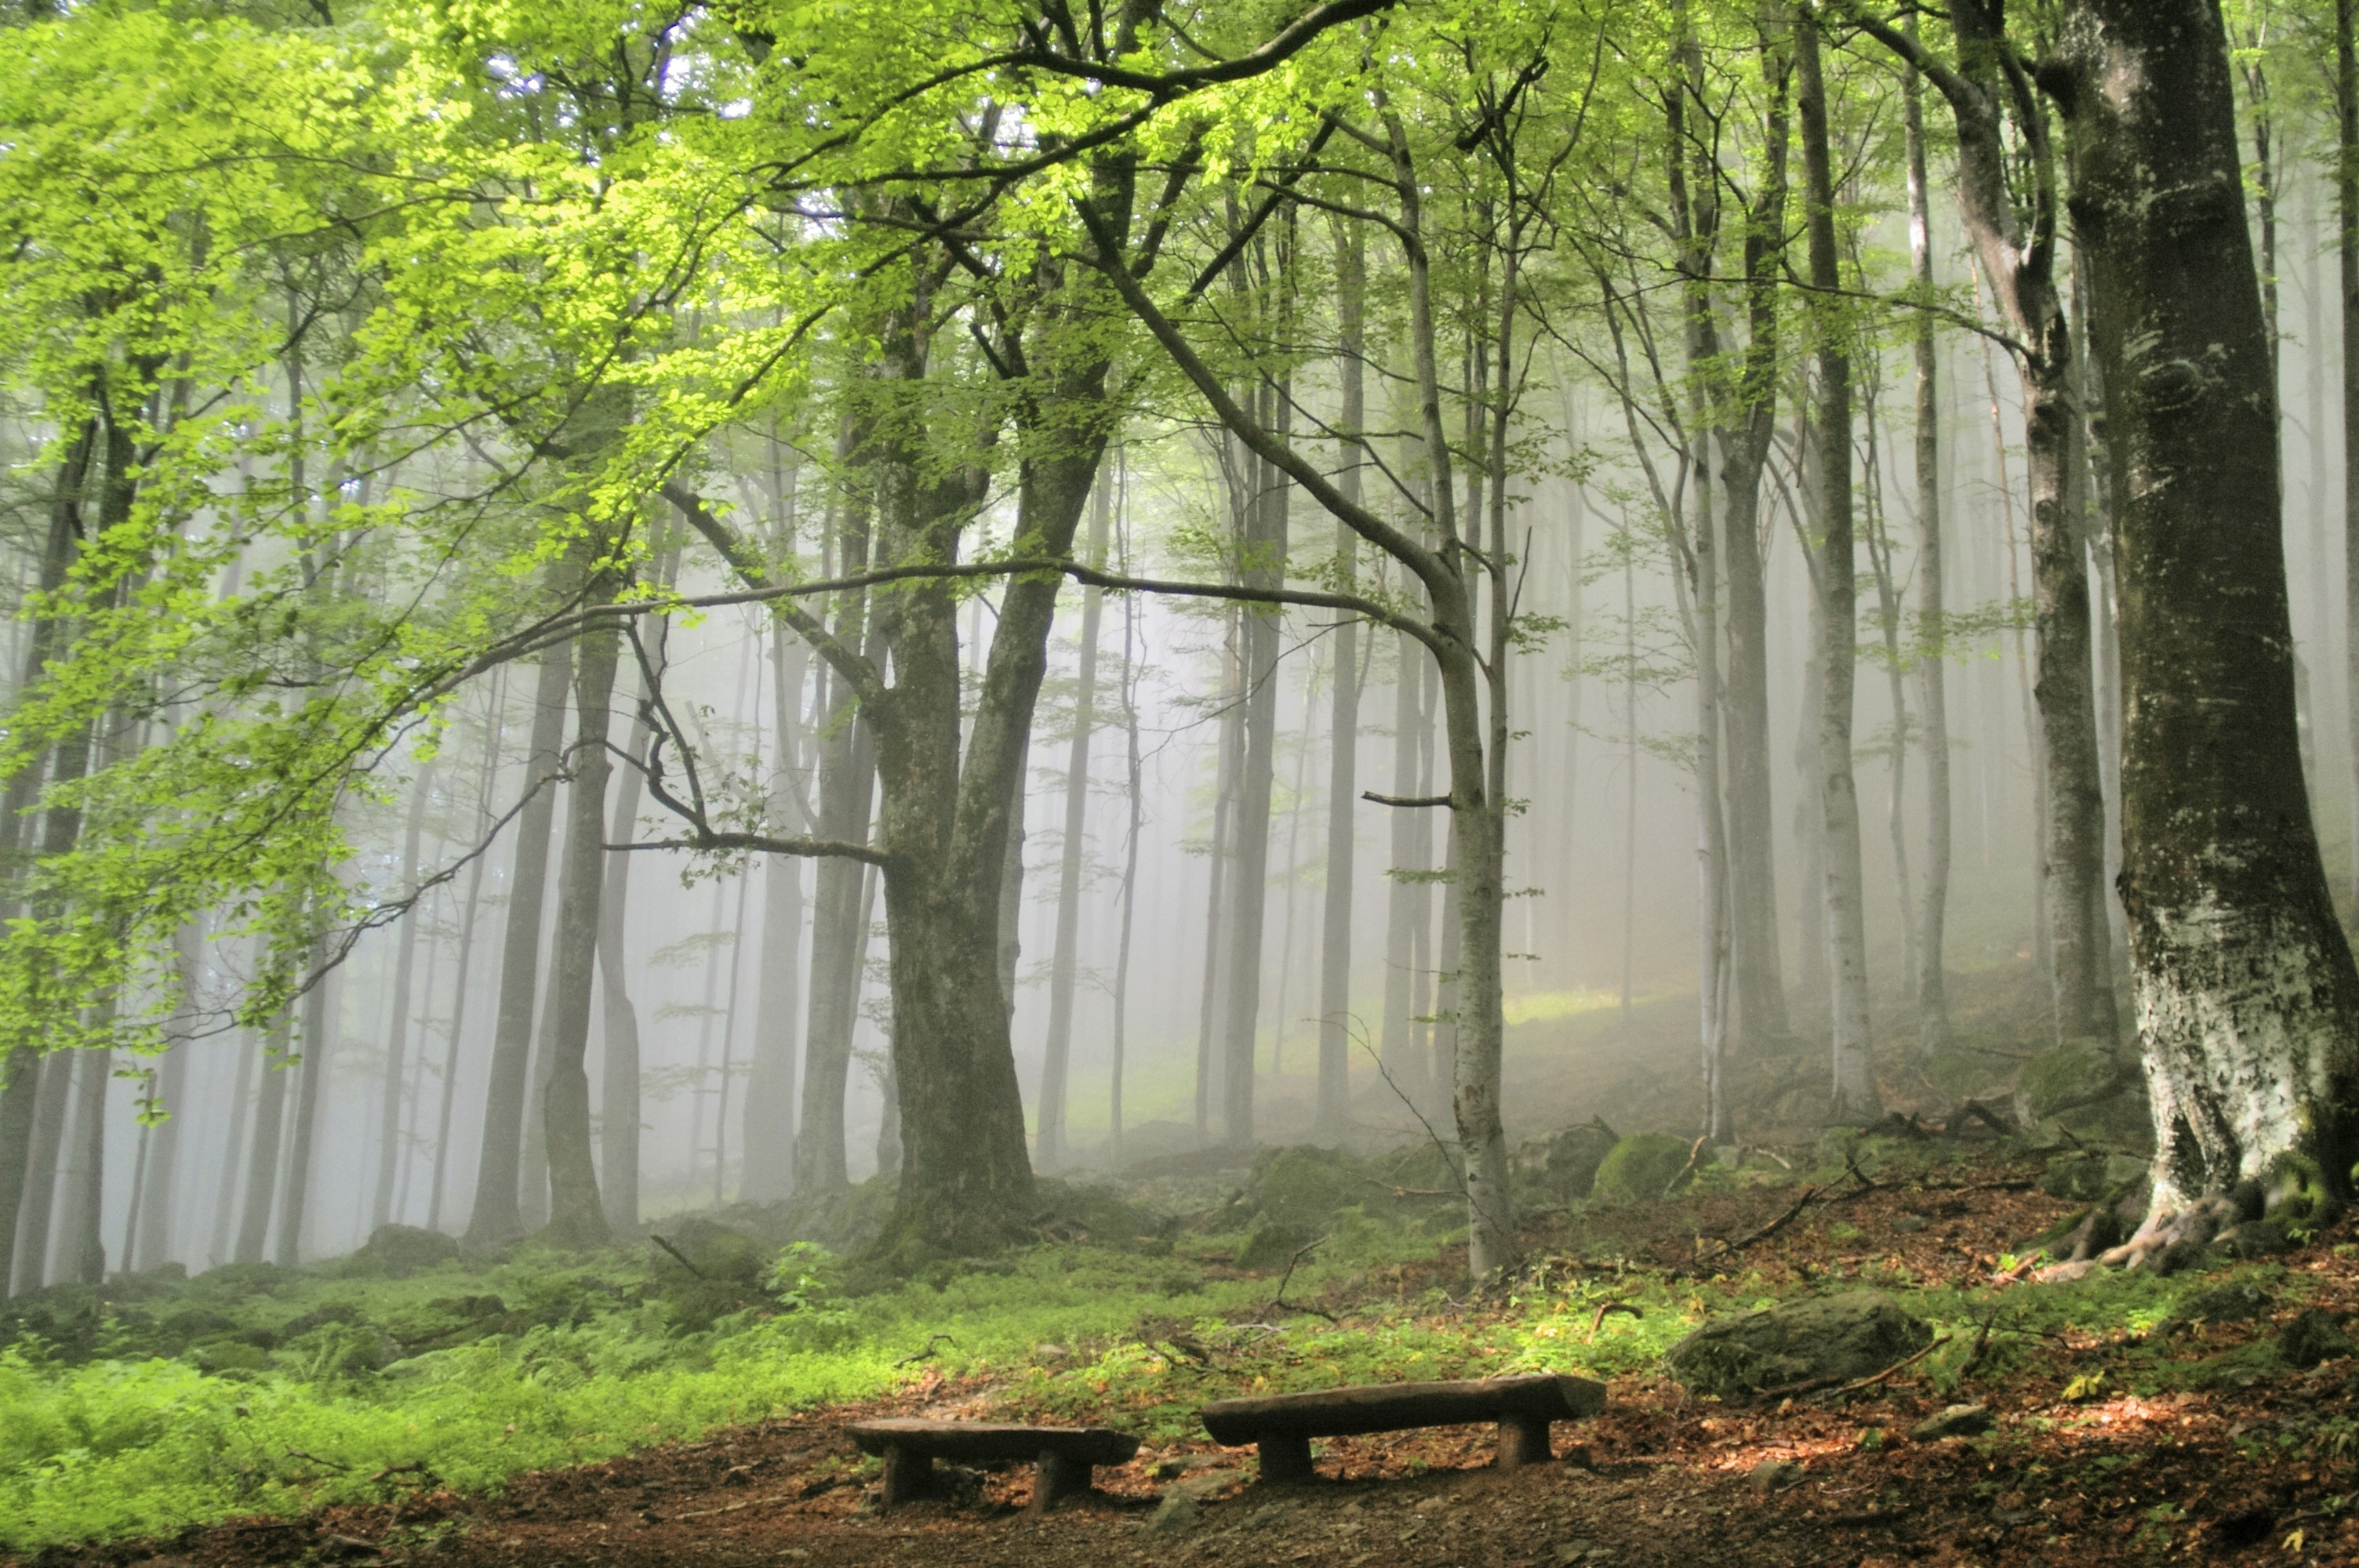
{"points": [[1284, 1424], [1062, 1455]]}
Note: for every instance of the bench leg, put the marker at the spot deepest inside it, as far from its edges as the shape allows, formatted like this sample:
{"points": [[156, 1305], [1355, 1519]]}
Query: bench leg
{"points": [[1055, 1478], [907, 1476], [1523, 1440], [1286, 1458]]}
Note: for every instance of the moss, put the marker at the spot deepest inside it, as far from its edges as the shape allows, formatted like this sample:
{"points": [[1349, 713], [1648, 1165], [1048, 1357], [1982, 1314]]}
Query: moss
{"points": [[1640, 1168]]}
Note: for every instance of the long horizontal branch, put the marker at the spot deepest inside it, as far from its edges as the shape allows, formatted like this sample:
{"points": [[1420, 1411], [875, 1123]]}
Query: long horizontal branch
{"points": [[764, 844], [1405, 799]]}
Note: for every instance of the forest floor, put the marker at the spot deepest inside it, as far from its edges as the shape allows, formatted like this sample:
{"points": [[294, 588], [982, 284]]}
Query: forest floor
{"points": [[2136, 1420]]}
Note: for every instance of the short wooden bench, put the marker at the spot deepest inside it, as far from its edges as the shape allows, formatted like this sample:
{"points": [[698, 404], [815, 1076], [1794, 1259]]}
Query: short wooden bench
{"points": [[1284, 1424], [1062, 1455]]}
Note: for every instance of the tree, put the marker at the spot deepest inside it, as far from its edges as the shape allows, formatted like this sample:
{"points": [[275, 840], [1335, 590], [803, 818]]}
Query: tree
{"points": [[2248, 997]]}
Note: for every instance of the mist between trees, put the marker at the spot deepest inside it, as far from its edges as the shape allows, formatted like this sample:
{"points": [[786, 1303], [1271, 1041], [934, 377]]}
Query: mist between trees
{"points": [[625, 612]]}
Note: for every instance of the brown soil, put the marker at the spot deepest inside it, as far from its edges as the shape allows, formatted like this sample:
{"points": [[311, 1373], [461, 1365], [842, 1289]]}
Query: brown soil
{"points": [[2235, 1475]]}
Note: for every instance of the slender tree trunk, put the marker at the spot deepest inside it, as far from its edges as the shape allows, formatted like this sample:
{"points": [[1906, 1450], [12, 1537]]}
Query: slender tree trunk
{"points": [[768, 1134], [576, 1216], [497, 1217], [1263, 566], [495, 722], [1854, 1071], [321, 1016], [262, 1163], [1065, 963], [233, 1151], [81, 1250], [1210, 1009], [847, 764], [1136, 800], [37, 1206], [619, 1106], [151, 1242], [1343, 714], [2247, 998], [2346, 213], [1932, 984], [1405, 901], [396, 1048]]}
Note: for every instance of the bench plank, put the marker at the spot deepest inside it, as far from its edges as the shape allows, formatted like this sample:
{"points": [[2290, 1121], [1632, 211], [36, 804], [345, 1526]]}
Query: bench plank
{"points": [[1395, 1407], [985, 1440], [1062, 1455]]}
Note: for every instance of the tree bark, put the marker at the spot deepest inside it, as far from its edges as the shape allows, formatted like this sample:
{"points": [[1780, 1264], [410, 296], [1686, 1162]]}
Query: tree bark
{"points": [[1405, 899], [1344, 713], [396, 1050], [262, 1163], [81, 1250], [2248, 997], [495, 722], [2346, 249], [1933, 1032], [1065, 962], [619, 1106], [576, 1216], [1854, 1094], [321, 1015], [846, 785], [767, 1173], [497, 1216]]}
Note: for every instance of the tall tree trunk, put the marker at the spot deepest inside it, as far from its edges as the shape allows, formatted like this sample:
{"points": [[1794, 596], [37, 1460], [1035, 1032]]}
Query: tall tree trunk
{"points": [[619, 1106], [494, 723], [262, 1163], [1211, 1007], [2346, 214], [37, 1206], [151, 1242], [2248, 997], [1854, 1069], [847, 778], [396, 1050], [1134, 795], [1933, 983], [320, 1015], [767, 1173], [497, 1217], [1344, 712], [233, 1151], [1065, 963], [20, 1065], [1405, 896], [576, 1218], [81, 1250]]}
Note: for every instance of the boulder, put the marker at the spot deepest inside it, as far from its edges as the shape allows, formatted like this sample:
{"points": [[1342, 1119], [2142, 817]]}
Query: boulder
{"points": [[1834, 1338], [1570, 1160], [1957, 1421], [401, 1251], [1640, 1169]]}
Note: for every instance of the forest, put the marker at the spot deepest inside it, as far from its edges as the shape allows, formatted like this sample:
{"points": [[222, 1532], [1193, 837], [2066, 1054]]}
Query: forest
{"points": [[991, 781]]}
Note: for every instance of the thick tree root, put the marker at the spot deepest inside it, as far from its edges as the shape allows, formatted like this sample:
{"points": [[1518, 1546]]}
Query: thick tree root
{"points": [[2165, 1243]]}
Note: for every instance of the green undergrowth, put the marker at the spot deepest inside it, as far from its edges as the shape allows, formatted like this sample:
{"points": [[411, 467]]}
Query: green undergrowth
{"points": [[165, 1403]]}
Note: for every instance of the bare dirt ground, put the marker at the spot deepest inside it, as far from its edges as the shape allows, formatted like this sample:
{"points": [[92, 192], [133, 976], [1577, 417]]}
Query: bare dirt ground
{"points": [[2252, 1470]]}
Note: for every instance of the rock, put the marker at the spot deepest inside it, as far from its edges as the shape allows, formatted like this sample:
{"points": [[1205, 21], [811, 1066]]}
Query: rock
{"points": [[1176, 1512], [402, 1250], [2082, 1087], [1774, 1476], [1958, 1421], [1052, 1355], [1837, 1337], [2310, 1338], [1271, 1243], [1639, 1168], [1909, 1224], [1570, 1165]]}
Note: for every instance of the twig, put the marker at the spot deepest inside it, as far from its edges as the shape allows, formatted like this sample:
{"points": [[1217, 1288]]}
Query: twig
{"points": [[1279, 1303], [1981, 1343], [1851, 1168], [415, 1467], [1604, 1307], [1695, 1153], [1728, 1248], [1812, 1385], [932, 1340], [676, 1253], [315, 1459], [1417, 1192]]}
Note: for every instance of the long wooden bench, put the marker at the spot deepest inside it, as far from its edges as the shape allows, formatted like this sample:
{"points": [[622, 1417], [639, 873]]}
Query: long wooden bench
{"points": [[1063, 1456], [1284, 1424]]}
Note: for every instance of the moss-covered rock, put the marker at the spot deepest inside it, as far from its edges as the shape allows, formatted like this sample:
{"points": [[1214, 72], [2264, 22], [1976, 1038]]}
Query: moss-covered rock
{"points": [[1855, 1334], [1570, 1160], [1640, 1168]]}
